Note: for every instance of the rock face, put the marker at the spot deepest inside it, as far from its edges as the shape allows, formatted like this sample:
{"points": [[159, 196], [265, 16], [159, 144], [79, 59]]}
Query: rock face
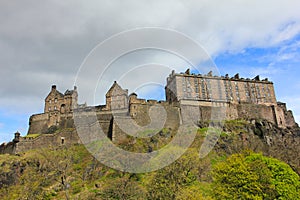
{"points": [[10, 172], [263, 136]]}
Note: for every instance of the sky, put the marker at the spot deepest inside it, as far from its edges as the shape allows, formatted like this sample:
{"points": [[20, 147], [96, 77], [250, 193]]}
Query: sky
{"points": [[45, 42]]}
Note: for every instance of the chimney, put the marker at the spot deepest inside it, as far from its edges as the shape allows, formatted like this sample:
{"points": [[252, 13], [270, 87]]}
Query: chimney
{"points": [[256, 78], [210, 73], [53, 87], [237, 76], [75, 88], [187, 71]]}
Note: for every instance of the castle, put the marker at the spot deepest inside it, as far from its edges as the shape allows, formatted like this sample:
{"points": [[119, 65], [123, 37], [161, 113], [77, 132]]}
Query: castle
{"points": [[242, 98]]}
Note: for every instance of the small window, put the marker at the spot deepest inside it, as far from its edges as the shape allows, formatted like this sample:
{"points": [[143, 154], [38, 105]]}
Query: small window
{"points": [[50, 101], [55, 100], [54, 107], [62, 140], [49, 108]]}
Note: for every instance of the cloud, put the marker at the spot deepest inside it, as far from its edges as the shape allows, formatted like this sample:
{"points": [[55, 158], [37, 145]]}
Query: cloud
{"points": [[44, 42]]}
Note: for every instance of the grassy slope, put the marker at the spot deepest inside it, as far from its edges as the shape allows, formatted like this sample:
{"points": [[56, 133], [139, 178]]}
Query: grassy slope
{"points": [[72, 173]]}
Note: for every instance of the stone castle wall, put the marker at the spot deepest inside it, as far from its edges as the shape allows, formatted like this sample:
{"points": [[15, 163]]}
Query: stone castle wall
{"points": [[189, 99], [139, 117], [9, 148], [38, 123], [64, 137]]}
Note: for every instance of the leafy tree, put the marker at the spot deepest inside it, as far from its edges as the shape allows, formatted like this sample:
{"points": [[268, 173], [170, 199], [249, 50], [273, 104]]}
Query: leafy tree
{"points": [[166, 182], [254, 176], [285, 181], [123, 188], [192, 192]]}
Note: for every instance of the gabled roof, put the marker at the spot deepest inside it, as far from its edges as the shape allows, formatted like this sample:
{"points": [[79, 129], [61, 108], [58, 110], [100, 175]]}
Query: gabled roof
{"points": [[69, 92], [116, 89], [55, 92]]}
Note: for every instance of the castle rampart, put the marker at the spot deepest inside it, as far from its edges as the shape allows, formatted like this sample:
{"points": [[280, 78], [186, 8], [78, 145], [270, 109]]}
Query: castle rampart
{"points": [[189, 98]]}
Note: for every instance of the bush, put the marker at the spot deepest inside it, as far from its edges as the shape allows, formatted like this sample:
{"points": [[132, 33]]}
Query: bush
{"points": [[51, 129], [254, 176]]}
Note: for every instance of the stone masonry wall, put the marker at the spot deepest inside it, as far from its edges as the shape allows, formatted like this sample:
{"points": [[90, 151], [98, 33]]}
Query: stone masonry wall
{"points": [[38, 123], [140, 114], [65, 137]]}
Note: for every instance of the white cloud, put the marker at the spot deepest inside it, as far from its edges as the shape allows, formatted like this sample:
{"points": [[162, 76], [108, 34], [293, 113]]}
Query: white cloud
{"points": [[44, 42]]}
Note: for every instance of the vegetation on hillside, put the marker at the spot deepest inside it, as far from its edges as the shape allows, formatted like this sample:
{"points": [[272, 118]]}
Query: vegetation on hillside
{"points": [[228, 172]]}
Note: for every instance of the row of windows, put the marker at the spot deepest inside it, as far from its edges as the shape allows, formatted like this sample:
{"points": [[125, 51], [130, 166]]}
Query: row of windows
{"points": [[55, 100], [202, 87], [55, 108]]}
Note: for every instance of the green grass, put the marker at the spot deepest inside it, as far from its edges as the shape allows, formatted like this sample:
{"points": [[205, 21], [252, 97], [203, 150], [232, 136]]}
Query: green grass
{"points": [[32, 135]]}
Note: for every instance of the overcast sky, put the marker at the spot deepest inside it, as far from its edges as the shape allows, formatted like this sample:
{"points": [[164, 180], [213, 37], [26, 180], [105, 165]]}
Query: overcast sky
{"points": [[45, 42]]}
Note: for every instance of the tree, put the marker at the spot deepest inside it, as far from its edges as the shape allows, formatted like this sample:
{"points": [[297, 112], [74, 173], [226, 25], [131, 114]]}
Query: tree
{"points": [[167, 182], [192, 192], [125, 187], [254, 176]]}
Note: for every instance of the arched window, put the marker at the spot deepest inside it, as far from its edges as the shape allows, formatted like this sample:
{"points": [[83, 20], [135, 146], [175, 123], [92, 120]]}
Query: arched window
{"points": [[63, 109]]}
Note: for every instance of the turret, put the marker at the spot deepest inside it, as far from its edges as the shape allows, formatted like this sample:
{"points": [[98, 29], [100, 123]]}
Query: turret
{"points": [[17, 137]]}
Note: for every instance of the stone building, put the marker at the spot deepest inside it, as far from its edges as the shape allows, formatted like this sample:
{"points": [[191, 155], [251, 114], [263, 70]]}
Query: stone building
{"points": [[116, 98], [242, 98], [198, 87], [57, 111], [189, 97]]}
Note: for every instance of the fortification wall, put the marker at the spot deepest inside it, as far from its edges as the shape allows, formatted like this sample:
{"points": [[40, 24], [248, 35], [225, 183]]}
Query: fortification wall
{"points": [[139, 115], [287, 115], [65, 137], [210, 111], [279, 116], [9, 148], [255, 111], [38, 123], [105, 121], [289, 119]]}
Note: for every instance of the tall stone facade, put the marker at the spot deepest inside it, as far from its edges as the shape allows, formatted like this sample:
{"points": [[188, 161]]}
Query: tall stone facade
{"points": [[189, 97], [242, 98], [116, 98], [57, 111], [198, 87]]}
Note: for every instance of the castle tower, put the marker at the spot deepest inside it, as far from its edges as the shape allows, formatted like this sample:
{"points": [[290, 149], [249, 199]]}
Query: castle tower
{"points": [[53, 100], [58, 104], [116, 98]]}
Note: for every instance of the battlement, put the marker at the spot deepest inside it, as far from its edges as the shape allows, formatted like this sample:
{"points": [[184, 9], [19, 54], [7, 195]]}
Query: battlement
{"points": [[210, 75]]}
